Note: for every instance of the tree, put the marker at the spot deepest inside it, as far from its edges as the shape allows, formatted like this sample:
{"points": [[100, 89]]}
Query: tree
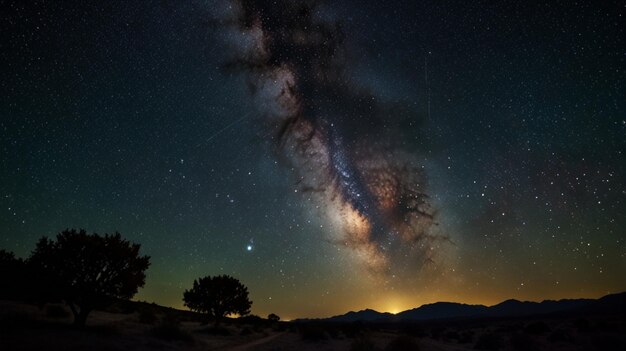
{"points": [[218, 296], [273, 317], [90, 271]]}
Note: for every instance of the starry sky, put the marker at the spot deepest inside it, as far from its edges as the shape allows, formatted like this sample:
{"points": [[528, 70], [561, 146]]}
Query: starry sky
{"points": [[333, 156]]}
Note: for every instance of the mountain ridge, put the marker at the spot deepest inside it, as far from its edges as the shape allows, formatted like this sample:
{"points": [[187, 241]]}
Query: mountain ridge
{"points": [[611, 303]]}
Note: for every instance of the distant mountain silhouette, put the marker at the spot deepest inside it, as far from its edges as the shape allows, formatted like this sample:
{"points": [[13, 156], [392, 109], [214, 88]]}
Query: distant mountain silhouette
{"points": [[615, 303], [364, 315], [443, 310]]}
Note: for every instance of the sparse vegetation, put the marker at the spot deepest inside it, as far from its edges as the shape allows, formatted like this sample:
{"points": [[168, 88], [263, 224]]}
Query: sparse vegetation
{"points": [[312, 332], [537, 328], [362, 343], [218, 330], [403, 343], [245, 331], [560, 335], [522, 342], [169, 329], [489, 341]]}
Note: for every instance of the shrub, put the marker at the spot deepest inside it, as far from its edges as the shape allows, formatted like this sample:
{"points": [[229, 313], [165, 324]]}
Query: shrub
{"points": [[437, 332], [312, 332], [452, 335], [403, 343], [354, 329], [333, 331], [169, 330], [466, 337], [537, 328], [608, 342], [415, 331], [560, 335], [217, 330], [245, 331], [522, 342], [279, 327], [582, 325], [362, 344], [489, 341]]}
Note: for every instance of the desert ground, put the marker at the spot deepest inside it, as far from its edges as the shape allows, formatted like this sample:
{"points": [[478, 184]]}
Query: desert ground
{"points": [[147, 327]]}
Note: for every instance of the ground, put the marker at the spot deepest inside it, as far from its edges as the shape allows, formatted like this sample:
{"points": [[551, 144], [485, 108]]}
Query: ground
{"points": [[38, 327]]}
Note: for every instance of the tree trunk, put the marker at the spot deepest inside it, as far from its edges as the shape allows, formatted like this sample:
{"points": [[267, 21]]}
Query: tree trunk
{"points": [[80, 318]]}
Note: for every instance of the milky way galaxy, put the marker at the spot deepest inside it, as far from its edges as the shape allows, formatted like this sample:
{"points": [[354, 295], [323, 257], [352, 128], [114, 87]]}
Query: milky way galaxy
{"points": [[330, 155], [345, 145]]}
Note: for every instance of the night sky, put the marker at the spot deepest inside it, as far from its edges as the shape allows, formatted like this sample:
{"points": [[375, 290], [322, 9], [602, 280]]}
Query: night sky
{"points": [[333, 156]]}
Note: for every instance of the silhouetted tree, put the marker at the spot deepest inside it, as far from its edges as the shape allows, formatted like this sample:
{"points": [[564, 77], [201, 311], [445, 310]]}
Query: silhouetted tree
{"points": [[273, 317], [218, 296], [90, 271]]}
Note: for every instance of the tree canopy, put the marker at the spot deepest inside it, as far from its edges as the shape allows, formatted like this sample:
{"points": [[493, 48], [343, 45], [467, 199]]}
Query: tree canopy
{"points": [[273, 317], [90, 270], [218, 296]]}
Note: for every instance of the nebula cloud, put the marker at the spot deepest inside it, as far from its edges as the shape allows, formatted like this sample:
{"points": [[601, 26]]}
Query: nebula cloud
{"points": [[342, 142]]}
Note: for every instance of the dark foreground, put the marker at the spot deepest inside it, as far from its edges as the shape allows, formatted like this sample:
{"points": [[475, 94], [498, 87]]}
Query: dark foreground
{"points": [[147, 327]]}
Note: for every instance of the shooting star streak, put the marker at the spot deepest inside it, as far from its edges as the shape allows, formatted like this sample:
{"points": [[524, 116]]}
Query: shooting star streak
{"points": [[216, 134]]}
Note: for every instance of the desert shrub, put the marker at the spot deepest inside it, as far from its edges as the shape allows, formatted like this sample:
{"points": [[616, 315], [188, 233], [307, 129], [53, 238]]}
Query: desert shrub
{"points": [[251, 319], [608, 342], [333, 331], [279, 327], [604, 326], [56, 312], [403, 343], [245, 331], [415, 331], [560, 335], [489, 341], [169, 329], [537, 328], [582, 325], [466, 337], [354, 329], [452, 335], [437, 332], [217, 330], [522, 342], [147, 316], [311, 332], [362, 343]]}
